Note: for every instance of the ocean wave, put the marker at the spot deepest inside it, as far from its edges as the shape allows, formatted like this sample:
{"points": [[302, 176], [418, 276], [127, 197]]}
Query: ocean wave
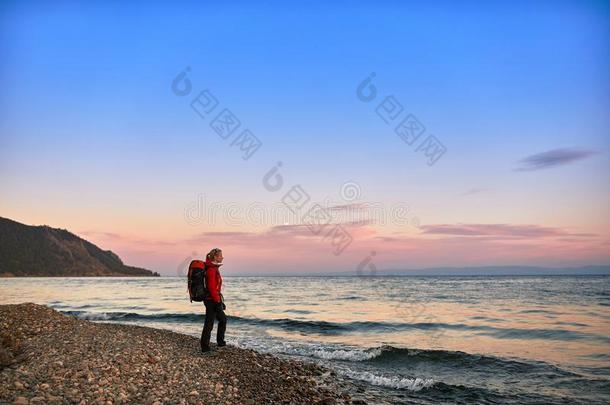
{"points": [[134, 316], [60, 305], [90, 316], [296, 311], [396, 382], [405, 357], [285, 323], [346, 354], [386, 355], [353, 297], [333, 328], [318, 351]]}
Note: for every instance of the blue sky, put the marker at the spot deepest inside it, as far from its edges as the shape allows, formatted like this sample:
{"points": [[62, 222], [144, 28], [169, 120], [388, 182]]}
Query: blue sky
{"points": [[93, 139]]}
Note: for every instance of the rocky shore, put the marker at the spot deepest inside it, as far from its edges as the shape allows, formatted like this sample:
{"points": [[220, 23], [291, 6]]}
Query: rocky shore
{"points": [[50, 358]]}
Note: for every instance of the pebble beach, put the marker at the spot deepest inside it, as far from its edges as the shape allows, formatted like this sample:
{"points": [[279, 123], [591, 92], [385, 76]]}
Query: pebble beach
{"points": [[50, 358]]}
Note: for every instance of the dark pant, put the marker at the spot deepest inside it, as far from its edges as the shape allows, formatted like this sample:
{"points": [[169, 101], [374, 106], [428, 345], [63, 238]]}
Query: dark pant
{"points": [[213, 311]]}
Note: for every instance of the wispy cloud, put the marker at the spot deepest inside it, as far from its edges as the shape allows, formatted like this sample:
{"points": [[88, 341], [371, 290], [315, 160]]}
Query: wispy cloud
{"points": [[349, 207], [301, 230], [553, 158], [501, 231], [282, 235], [102, 236]]}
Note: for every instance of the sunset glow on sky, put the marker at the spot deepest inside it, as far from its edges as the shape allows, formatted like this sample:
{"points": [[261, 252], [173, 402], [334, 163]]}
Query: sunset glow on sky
{"points": [[95, 139]]}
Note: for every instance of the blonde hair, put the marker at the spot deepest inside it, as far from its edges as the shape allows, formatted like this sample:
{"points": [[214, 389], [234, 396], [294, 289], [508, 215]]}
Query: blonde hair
{"points": [[212, 255]]}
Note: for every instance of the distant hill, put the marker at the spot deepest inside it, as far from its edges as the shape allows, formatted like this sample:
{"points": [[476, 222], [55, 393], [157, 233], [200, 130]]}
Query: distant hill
{"points": [[50, 252]]}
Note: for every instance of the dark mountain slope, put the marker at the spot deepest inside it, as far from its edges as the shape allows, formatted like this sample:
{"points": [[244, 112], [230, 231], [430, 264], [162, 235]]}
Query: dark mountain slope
{"points": [[44, 251]]}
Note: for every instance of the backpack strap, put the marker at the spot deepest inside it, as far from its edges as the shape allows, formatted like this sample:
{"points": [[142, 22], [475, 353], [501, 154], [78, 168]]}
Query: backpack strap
{"points": [[205, 272], [188, 279]]}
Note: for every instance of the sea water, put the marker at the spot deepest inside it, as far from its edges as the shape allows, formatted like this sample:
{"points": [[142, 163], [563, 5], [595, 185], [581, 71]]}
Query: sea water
{"points": [[475, 339]]}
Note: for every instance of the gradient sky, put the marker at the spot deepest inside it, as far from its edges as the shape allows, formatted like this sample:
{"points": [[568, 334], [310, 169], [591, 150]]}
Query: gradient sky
{"points": [[93, 139]]}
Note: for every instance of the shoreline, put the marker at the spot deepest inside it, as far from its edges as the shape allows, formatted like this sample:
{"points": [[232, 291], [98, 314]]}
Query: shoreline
{"points": [[49, 357], [117, 275]]}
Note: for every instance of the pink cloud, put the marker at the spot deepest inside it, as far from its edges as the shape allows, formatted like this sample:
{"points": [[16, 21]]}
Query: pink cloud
{"points": [[350, 207], [501, 231], [110, 236], [286, 248]]}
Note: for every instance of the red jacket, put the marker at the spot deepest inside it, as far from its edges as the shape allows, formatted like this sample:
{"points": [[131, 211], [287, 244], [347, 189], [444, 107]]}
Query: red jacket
{"points": [[213, 280]]}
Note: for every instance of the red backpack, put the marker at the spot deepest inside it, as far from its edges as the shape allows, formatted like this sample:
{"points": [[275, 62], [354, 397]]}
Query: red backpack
{"points": [[196, 281]]}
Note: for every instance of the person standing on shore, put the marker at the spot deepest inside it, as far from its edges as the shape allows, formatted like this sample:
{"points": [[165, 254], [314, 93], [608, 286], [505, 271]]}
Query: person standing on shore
{"points": [[213, 301]]}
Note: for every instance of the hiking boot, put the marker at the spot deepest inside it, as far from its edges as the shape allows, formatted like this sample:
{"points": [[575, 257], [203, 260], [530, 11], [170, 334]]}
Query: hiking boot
{"points": [[222, 344]]}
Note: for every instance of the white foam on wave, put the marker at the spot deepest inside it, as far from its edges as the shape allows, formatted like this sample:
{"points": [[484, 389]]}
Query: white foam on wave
{"points": [[324, 353], [92, 316], [412, 384], [349, 355]]}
